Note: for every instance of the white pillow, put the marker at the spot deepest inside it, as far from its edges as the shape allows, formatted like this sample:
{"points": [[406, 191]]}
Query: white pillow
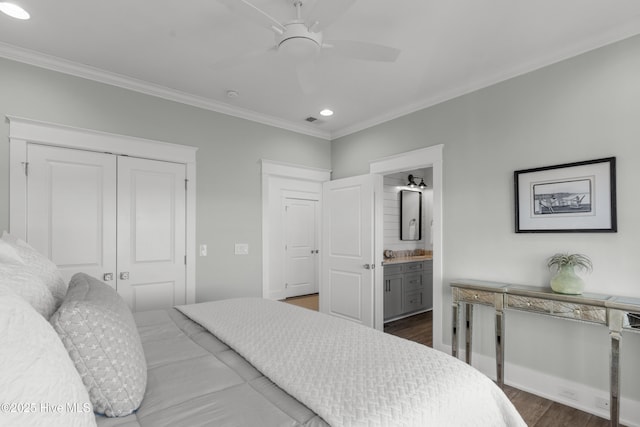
{"points": [[8, 254], [40, 385], [17, 279], [39, 265]]}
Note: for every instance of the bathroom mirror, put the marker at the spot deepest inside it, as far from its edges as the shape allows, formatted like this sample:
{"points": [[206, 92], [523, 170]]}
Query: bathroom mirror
{"points": [[410, 215]]}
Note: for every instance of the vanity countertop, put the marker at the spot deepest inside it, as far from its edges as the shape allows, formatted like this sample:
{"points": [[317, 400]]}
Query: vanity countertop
{"points": [[401, 260]]}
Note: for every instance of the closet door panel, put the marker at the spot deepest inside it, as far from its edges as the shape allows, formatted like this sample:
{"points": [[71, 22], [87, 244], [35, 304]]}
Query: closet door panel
{"points": [[151, 233], [152, 228], [71, 209]]}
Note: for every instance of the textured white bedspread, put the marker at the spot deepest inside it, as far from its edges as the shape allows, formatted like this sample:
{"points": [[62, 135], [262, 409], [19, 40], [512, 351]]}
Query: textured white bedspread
{"points": [[352, 375]]}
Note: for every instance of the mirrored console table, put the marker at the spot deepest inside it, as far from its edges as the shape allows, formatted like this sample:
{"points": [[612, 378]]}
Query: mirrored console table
{"points": [[616, 313]]}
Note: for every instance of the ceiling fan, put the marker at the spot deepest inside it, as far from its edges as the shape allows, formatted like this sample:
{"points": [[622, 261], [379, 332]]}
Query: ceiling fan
{"points": [[301, 38]]}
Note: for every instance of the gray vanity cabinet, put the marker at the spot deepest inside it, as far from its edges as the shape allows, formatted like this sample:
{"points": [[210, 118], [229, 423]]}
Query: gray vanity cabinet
{"points": [[427, 284], [393, 291], [408, 287]]}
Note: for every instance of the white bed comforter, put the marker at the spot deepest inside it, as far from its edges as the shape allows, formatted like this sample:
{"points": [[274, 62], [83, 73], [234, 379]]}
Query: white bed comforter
{"points": [[352, 375]]}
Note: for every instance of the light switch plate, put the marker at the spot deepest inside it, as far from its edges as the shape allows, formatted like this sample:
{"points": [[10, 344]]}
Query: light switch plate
{"points": [[242, 249], [203, 250]]}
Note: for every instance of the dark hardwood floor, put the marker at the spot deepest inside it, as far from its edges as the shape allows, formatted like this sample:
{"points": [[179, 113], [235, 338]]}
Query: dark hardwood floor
{"points": [[415, 328], [535, 410], [540, 412]]}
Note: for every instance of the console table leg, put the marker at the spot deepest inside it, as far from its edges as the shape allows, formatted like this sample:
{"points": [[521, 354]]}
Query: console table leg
{"points": [[500, 348], [616, 318], [614, 400], [500, 321], [468, 332], [454, 331]]}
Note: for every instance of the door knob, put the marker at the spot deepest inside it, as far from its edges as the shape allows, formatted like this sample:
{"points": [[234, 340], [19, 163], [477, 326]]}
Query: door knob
{"points": [[107, 277], [124, 275]]}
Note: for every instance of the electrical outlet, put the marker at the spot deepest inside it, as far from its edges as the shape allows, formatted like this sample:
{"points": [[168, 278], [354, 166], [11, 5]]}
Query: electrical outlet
{"points": [[242, 249], [568, 393], [602, 403]]}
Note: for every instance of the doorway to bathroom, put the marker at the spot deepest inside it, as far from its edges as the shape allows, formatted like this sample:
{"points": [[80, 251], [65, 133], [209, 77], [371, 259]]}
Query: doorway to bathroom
{"points": [[403, 164], [408, 252]]}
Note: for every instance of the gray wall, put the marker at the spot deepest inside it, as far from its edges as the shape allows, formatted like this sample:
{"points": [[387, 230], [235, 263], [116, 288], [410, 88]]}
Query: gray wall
{"points": [[229, 208], [584, 108]]}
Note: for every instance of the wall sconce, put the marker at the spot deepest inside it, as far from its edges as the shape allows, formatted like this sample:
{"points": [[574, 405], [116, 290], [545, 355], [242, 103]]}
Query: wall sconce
{"points": [[412, 182]]}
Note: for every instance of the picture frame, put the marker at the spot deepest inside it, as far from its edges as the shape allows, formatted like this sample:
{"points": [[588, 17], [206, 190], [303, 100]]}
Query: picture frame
{"points": [[575, 197]]}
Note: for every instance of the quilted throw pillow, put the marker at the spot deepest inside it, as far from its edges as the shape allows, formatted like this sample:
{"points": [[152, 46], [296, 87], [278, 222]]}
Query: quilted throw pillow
{"points": [[98, 330]]}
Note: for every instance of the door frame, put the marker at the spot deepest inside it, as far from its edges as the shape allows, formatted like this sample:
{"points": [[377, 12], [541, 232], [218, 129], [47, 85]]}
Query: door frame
{"points": [[416, 159], [23, 131], [279, 177]]}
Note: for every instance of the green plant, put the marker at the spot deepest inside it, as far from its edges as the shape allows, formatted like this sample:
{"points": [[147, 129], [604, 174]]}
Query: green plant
{"points": [[558, 261]]}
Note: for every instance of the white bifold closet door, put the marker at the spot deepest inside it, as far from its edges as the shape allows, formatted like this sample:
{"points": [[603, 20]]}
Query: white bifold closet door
{"points": [[151, 233], [119, 219], [71, 209]]}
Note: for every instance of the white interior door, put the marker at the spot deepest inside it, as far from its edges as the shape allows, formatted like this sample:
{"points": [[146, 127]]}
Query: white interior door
{"points": [[301, 251], [71, 209], [151, 233], [348, 261]]}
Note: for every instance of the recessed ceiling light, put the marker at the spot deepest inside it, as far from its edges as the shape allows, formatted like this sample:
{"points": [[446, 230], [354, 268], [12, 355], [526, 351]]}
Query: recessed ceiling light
{"points": [[326, 112], [13, 10]]}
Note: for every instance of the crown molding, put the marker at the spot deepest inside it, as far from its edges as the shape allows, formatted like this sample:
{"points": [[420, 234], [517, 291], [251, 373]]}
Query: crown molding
{"points": [[583, 46], [91, 73]]}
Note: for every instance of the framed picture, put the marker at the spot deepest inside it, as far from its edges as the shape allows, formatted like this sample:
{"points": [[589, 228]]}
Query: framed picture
{"points": [[572, 197]]}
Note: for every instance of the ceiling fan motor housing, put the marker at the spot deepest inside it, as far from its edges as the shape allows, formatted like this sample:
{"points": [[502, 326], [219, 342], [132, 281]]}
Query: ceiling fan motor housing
{"points": [[298, 41]]}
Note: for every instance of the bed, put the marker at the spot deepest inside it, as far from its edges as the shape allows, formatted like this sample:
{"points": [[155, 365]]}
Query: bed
{"points": [[238, 362]]}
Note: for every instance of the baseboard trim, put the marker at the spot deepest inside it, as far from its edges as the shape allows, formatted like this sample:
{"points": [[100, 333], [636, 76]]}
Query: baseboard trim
{"points": [[582, 397]]}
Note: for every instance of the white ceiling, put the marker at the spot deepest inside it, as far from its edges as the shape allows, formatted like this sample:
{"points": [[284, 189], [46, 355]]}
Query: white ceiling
{"points": [[175, 49]]}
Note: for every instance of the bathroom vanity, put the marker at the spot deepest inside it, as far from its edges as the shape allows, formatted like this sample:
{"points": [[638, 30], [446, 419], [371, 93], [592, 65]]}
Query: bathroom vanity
{"points": [[408, 286]]}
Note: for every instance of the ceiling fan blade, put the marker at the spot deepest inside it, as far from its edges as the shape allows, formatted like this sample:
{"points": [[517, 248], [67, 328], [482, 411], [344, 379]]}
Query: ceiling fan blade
{"points": [[325, 12], [253, 13], [362, 50]]}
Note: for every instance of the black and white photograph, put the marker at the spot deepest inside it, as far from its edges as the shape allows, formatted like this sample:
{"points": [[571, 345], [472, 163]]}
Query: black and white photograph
{"points": [[564, 197]]}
